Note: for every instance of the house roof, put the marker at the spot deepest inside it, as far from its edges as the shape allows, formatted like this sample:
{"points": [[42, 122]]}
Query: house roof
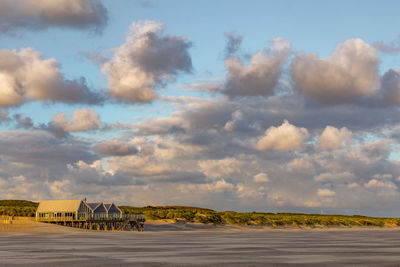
{"points": [[93, 205], [109, 205], [59, 205]]}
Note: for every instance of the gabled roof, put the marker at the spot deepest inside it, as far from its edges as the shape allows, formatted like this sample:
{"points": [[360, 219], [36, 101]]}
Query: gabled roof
{"points": [[59, 205], [109, 205], [93, 205]]}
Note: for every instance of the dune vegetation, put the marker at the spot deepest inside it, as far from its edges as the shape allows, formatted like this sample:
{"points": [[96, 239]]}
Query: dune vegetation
{"points": [[193, 214], [23, 208], [208, 216]]}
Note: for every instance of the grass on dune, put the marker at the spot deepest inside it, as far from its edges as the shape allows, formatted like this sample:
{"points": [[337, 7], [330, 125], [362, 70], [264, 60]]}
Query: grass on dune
{"points": [[193, 214], [18, 208]]}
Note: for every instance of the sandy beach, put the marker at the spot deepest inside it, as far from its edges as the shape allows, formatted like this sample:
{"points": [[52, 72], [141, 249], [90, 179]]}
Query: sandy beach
{"points": [[180, 244]]}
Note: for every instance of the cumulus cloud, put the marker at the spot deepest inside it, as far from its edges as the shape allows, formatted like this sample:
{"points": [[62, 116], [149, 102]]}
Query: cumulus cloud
{"points": [[25, 76], [352, 185], [38, 154], [374, 183], [219, 168], [333, 138], [391, 87], [294, 178], [146, 61], [325, 193], [94, 174], [383, 176], [260, 75], [221, 186], [41, 14], [82, 120], [349, 73], [169, 172], [302, 165], [139, 166], [200, 155], [239, 123], [116, 148], [283, 137], [327, 176], [261, 178]]}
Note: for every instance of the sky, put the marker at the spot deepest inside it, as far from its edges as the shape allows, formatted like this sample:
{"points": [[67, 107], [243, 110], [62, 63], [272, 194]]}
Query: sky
{"points": [[270, 106]]}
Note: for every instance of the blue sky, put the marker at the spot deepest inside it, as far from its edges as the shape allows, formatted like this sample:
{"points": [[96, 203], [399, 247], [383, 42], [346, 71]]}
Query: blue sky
{"points": [[303, 116]]}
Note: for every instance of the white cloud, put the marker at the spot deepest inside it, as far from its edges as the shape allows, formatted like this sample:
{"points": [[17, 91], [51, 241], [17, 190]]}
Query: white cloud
{"points": [[374, 183], [333, 138], [283, 137], [383, 176], [82, 120], [247, 192], [25, 75], [327, 176], [140, 165], [59, 189], [219, 168], [261, 75], [261, 177], [41, 14], [300, 165], [349, 73], [325, 193], [352, 185], [146, 61], [221, 186]]}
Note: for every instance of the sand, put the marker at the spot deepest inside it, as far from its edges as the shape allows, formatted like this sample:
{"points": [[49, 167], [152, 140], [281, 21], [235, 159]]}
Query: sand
{"points": [[181, 244]]}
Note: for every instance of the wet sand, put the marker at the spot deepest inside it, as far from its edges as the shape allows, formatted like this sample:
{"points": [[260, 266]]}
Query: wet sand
{"points": [[168, 244]]}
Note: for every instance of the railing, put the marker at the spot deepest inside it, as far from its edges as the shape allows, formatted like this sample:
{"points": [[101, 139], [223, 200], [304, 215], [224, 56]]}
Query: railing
{"points": [[134, 217], [131, 217], [58, 218], [102, 218]]}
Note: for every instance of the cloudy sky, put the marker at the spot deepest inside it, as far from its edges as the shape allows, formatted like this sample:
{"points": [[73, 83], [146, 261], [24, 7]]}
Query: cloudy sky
{"points": [[268, 106]]}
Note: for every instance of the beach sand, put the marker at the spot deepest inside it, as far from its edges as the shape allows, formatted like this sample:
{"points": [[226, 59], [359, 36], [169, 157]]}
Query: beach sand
{"points": [[165, 243]]}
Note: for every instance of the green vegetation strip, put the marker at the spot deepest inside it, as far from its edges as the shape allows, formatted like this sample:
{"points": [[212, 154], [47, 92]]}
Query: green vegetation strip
{"points": [[208, 216], [18, 208]]}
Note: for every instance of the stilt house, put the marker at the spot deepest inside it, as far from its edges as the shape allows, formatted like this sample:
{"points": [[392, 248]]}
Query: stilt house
{"points": [[70, 210]]}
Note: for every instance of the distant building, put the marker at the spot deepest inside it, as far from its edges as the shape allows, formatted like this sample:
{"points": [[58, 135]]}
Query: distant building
{"points": [[72, 210]]}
